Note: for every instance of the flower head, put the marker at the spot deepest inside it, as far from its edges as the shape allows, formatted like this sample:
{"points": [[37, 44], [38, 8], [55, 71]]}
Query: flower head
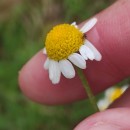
{"points": [[111, 94], [62, 41], [66, 45]]}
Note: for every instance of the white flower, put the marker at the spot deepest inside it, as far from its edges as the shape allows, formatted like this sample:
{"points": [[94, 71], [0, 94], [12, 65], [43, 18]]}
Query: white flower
{"points": [[111, 94], [62, 46]]}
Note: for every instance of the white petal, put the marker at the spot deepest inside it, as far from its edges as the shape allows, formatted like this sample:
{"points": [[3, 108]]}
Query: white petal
{"points": [[97, 54], [46, 64], [44, 50], [77, 60], [124, 88], [54, 71], [67, 69], [74, 24], [109, 92], [88, 25], [103, 104], [86, 52]]}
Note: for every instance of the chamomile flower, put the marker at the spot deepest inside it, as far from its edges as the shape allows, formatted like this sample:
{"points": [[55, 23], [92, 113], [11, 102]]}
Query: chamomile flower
{"points": [[111, 94], [66, 46]]}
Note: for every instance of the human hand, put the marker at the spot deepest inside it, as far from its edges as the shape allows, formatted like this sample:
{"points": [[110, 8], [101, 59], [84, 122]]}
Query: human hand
{"points": [[111, 36]]}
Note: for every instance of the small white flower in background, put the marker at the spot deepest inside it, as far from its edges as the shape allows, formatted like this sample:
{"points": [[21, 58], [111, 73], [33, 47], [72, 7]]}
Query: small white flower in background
{"points": [[111, 94], [66, 45]]}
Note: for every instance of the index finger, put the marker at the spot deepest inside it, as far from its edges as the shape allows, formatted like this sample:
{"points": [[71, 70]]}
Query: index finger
{"points": [[111, 37]]}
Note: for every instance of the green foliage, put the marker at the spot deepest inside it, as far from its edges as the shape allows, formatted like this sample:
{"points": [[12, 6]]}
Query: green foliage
{"points": [[22, 31], [77, 10]]}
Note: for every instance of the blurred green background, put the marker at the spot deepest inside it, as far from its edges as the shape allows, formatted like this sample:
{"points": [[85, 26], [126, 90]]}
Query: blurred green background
{"points": [[23, 27]]}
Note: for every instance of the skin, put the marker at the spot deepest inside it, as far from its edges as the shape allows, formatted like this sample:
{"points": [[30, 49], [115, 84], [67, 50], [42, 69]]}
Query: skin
{"points": [[111, 36]]}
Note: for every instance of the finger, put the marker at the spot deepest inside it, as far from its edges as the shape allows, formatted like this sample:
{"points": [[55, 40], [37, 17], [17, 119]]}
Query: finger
{"points": [[36, 85], [123, 101], [111, 37], [112, 119]]}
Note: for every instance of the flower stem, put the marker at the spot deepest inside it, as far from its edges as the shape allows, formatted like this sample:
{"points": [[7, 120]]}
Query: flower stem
{"points": [[88, 90]]}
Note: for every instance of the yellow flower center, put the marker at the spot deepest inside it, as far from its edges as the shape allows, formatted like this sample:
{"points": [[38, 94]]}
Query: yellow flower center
{"points": [[116, 94], [62, 41]]}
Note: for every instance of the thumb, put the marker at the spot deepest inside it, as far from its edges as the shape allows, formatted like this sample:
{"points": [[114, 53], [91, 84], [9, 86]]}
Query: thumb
{"points": [[112, 119]]}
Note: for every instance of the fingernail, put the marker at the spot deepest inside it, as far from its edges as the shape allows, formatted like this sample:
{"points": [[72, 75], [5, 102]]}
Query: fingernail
{"points": [[105, 126]]}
